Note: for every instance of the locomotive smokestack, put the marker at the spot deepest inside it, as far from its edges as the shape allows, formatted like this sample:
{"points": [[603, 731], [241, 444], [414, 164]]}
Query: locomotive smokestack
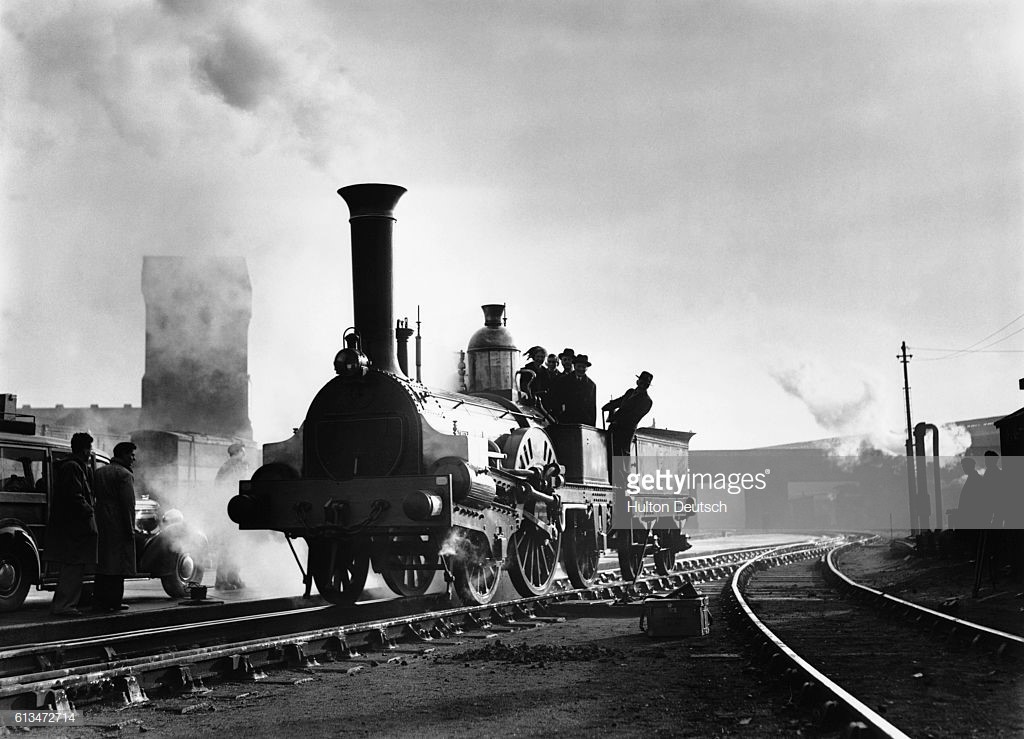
{"points": [[371, 208]]}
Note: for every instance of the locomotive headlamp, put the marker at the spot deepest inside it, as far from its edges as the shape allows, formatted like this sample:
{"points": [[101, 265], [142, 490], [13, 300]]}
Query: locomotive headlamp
{"points": [[351, 363]]}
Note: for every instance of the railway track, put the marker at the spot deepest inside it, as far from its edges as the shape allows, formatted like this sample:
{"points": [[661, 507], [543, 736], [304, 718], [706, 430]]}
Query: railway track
{"points": [[870, 664], [183, 657]]}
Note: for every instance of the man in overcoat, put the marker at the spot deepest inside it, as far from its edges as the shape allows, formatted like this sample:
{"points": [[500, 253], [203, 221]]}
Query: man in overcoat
{"points": [[626, 412], [556, 403], [578, 394], [71, 530], [115, 519]]}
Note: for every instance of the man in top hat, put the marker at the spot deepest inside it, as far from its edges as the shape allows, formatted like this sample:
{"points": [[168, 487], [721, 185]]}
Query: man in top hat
{"points": [[578, 394], [534, 381], [555, 400], [626, 412]]}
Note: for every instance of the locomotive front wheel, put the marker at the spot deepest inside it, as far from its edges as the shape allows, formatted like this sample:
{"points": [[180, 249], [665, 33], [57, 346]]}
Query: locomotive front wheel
{"points": [[339, 569], [476, 582], [534, 551], [581, 555], [403, 552]]}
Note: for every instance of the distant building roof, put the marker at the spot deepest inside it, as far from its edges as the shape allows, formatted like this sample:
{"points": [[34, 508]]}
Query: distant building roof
{"points": [[1016, 415], [113, 421], [982, 430]]}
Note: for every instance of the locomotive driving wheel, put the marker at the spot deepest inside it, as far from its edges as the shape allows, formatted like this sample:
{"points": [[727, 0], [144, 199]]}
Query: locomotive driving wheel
{"points": [[581, 555], [534, 551], [535, 546], [339, 569], [408, 563]]}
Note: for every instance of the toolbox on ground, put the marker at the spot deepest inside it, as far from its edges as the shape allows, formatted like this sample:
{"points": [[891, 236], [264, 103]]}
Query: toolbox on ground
{"points": [[683, 612]]}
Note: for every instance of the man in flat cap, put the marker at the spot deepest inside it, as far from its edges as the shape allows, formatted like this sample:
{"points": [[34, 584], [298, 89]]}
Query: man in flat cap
{"points": [[626, 412], [578, 394]]}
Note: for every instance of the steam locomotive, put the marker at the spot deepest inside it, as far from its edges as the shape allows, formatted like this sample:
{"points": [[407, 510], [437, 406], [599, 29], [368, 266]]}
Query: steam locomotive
{"points": [[414, 480]]}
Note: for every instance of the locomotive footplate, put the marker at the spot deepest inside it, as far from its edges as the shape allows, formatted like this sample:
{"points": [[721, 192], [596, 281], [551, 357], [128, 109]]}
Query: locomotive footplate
{"points": [[370, 505]]}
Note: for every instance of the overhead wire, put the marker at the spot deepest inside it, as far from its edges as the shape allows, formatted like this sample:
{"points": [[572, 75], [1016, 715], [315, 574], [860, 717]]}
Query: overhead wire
{"points": [[983, 350]]}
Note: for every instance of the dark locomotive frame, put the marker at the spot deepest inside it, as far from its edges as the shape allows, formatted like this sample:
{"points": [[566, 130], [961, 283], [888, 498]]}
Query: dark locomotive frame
{"points": [[414, 480]]}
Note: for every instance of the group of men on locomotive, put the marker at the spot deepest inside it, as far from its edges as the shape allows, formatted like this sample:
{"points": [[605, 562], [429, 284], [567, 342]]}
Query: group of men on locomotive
{"points": [[569, 396], [566, 396]]}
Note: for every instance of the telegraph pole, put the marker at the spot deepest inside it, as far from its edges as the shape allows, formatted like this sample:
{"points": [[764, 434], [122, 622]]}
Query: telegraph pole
{"points": [[911, 486]]}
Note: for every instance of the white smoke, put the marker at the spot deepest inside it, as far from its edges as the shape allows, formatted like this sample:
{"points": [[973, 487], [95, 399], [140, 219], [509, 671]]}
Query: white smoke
{"points": [[174, 128]]}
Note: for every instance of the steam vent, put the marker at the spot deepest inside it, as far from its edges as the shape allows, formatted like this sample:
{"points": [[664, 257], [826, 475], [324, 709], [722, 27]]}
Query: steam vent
{"points": [[491, 356], [197, 334]]}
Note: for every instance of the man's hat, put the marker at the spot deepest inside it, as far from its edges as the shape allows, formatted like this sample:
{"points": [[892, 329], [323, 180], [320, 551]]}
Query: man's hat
{"points": [[645, 376], [581, 359], [236, 448], [534, 349], [567, 352]]}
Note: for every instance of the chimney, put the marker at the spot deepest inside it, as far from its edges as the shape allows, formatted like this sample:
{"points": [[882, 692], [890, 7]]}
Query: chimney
{"points": [[371, 207], [197, 345], [402, 333]]}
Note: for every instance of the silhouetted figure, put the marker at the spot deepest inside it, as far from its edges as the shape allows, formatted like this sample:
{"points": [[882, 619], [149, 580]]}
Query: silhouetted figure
{"points": [[71, 530], [626, 412], [969, 517], [556, 401], [578, 394], [994, 493], [970, 508], [234, 469], [992, 542], [114, 488]]}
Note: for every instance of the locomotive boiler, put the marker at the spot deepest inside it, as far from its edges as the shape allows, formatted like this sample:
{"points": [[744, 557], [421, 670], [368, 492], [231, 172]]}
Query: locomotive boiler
{"points": [[415, 480]]}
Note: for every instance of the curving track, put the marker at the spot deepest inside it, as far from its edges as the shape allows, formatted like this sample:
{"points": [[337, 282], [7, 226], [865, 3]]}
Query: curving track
{"points": [[872, 664]]}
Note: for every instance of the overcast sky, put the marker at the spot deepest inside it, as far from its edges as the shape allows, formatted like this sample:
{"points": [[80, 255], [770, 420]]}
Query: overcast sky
{"points": [[757, 202]]}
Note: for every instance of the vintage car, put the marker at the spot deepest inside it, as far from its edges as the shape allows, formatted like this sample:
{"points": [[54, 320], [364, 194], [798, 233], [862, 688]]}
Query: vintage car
{"points": [[166, 547]]}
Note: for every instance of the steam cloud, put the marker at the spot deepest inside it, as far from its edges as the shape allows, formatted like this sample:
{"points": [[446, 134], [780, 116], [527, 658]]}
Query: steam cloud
{"points": [[848, 406], [172, 128]]}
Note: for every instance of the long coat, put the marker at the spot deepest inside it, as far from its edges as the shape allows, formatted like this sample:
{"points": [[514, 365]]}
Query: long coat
{"points": [[626, 413], [115, 518], [71, 530], [578, 395]]}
